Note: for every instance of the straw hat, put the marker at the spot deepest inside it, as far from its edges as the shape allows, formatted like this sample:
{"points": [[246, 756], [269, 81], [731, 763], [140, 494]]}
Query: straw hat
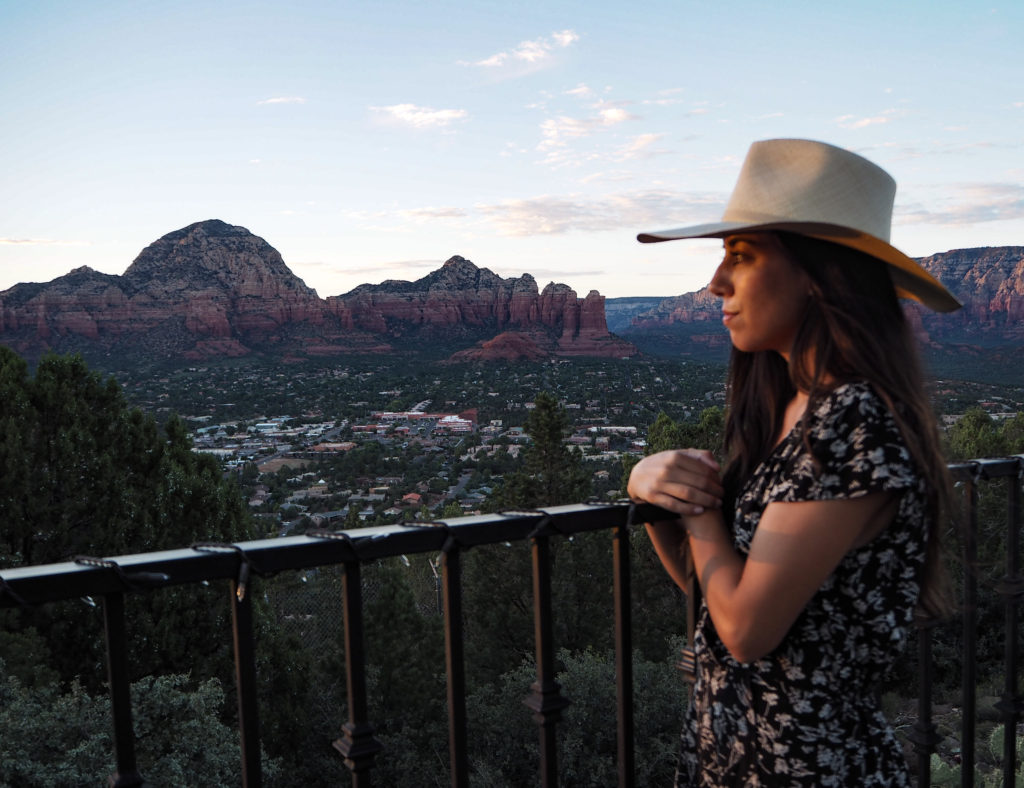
{"points": [[824, 192]]}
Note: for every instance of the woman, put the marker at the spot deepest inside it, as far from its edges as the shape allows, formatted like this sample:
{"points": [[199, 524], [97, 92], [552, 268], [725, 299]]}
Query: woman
{"points": [[818, 542]]}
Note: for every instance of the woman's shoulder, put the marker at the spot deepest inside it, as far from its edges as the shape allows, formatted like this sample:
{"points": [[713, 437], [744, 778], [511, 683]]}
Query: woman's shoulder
{"points": [[850, 401], [856, 444], [853, 412]]}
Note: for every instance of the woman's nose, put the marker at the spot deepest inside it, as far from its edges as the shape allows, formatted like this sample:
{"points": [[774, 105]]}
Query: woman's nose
{"points": [[720, 284]]}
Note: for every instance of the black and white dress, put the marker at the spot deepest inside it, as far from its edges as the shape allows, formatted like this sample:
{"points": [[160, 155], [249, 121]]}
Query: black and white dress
{"points": [[807, 714]]}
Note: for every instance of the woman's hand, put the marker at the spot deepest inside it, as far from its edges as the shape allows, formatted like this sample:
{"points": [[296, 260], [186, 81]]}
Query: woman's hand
{"points": [[684, 481]]}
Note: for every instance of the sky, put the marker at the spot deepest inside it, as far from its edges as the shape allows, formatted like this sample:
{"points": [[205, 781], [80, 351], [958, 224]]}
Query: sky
{"points": [[368, 141]]}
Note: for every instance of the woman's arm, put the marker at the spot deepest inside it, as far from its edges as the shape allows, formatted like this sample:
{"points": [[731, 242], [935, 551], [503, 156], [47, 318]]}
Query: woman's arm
{"points": [[684, 481], [753, 601]]}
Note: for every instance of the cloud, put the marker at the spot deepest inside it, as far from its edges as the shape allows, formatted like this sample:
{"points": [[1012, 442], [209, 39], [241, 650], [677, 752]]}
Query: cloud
{"points": [[612, 115], [853, 122], [39, 242], [639, 148], [512, 149], [973, 203], [611, 176], [400, 266], [401, 220], [559, 130], [430, 213], [547, 215], [421, 117], [551, 274], [580, 90], [283, 100], [529, 53], [666, 98]]}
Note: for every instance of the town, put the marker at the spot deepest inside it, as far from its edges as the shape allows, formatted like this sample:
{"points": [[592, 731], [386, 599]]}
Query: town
{"points": [[369, 442], [390, 466]]}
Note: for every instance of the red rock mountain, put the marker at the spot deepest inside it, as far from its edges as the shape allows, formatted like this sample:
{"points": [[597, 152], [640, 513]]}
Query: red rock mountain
{"points": [[989, 282], [212, 289]]}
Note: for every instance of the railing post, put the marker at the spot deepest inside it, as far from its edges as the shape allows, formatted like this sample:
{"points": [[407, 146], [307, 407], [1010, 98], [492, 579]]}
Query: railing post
{"points": [[245, 680], [968, 693], [458, 740], [357, 743], [687, 663], [545, 700], [624, 655], [1011, 588], [127, 774]]}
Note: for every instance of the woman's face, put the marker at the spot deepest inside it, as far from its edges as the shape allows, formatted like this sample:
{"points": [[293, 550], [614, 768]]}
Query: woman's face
{"points": [[763, 291]]}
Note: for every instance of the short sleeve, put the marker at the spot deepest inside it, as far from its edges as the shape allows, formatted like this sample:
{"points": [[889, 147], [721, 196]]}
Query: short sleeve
{"points": [[856, 449]]}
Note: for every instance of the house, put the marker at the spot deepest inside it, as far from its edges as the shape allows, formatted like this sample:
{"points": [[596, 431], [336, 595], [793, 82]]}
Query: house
{"points": [[412, 499]]}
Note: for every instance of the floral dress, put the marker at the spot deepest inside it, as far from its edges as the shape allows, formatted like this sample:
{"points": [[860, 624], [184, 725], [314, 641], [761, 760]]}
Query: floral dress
{"points": [[808, 714]]}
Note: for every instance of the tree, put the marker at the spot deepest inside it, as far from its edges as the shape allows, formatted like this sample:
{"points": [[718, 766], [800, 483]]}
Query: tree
{"points": [[552, 473], [504, 749], [451, 509], [664, 434], [499, 594], [90, 475], [1013, 434], [63, 738], [976, 435]]}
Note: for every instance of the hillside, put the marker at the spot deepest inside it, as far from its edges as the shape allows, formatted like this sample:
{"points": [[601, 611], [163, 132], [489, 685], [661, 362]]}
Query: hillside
{"points": [[212, 290]]}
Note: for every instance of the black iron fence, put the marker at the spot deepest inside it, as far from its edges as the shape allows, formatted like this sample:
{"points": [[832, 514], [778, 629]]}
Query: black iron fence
{"points": [[113, 578]]}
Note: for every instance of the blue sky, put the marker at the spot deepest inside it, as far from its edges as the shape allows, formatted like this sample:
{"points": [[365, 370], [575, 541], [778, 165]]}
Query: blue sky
{"points": [[373, 140]]}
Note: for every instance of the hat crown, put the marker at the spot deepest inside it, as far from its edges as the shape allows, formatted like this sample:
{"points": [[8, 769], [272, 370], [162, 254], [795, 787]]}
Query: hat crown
{"points": [[819, 190], [792, 180]]}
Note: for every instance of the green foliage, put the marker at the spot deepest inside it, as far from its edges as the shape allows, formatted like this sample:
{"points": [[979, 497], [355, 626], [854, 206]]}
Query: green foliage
{"points": [[451, 510], [552, 473], [707, 433], [988, 773], [405, 646], [665, 434], [54, 738], [1013, 434], [89, 475], [976, 435], [504, 748]]}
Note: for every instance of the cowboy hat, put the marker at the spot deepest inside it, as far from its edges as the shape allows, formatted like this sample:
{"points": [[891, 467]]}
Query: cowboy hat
{"points": [[825, 192]]}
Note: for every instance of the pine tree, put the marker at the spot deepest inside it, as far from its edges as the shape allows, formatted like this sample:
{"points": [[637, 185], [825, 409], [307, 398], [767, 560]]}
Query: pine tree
{"points": [[91, 476], [499, 594], [552, 473]]}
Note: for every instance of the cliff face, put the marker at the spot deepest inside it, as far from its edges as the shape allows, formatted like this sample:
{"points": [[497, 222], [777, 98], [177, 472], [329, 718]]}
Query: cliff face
{"points": [[460, 299], [212, 289], [989, 282]]}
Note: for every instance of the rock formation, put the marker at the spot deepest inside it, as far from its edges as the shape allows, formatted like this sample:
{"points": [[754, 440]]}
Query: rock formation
{"points": [[460, 299], [212, 289], [989, 282], [507, 346]]}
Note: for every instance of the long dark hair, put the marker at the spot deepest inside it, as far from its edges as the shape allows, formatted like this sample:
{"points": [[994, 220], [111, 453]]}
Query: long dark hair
{"points": [[853, 329]]}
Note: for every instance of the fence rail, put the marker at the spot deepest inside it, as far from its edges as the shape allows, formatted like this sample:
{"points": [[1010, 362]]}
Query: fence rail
{"points": [[113, 578]]}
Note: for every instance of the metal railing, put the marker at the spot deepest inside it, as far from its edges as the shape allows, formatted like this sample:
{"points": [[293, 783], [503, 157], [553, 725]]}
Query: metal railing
{"points": [[112, 579]]}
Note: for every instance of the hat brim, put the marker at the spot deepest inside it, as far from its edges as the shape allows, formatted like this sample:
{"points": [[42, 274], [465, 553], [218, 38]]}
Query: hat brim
{"points": [[910, 279]]}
